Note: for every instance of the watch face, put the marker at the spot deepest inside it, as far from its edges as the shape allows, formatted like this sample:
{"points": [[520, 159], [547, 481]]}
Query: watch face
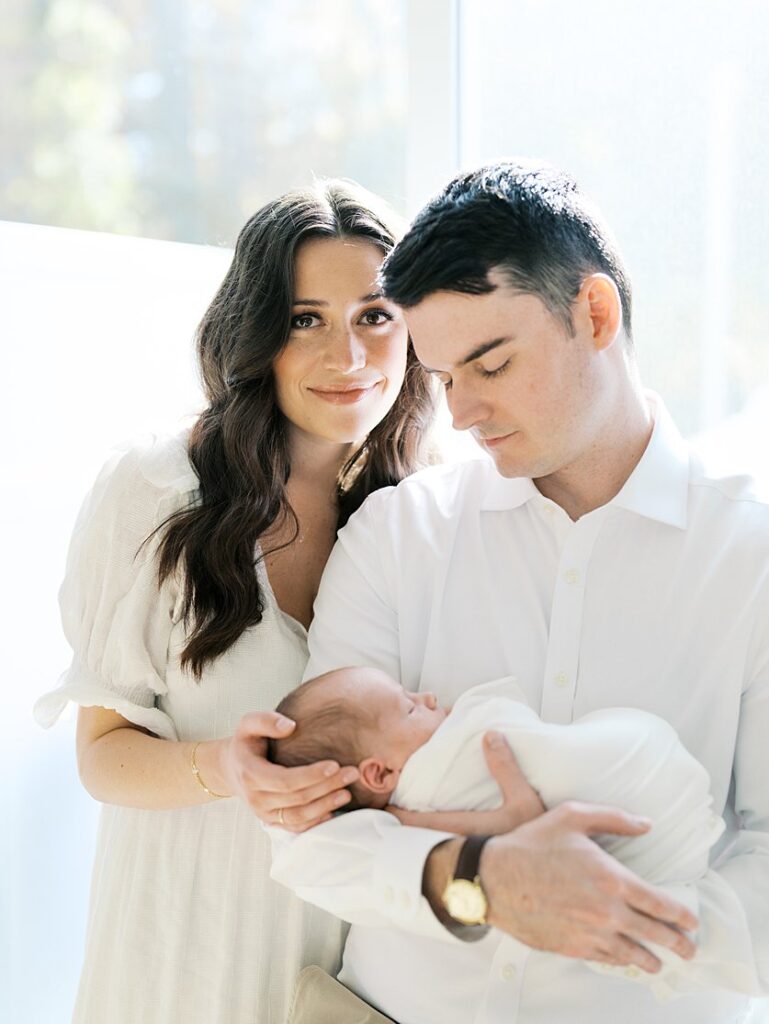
{"points": [[465, 901]]}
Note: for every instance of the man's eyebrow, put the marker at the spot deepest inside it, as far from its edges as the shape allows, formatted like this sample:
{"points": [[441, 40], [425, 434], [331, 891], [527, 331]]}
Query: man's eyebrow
{"points": [[476, 353], [371, 297], [481, 350]]}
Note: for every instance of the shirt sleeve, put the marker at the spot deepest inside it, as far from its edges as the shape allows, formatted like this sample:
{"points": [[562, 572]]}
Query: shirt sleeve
{"points": [[734, 895], [115, 617], [732, 899], [364, 867]]}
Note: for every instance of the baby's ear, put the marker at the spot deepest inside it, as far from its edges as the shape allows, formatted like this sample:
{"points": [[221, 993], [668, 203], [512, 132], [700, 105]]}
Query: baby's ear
{"points": [[376, 776]]}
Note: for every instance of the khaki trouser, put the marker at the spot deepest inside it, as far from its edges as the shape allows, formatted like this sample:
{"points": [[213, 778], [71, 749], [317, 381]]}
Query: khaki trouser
{"points": [[320, 999]]}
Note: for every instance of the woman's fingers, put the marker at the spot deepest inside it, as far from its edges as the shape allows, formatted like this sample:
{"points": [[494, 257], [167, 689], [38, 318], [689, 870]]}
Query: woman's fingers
{"points": [[304, 816], [303, 807], [310, 794], [295, 798], [261, 724]]}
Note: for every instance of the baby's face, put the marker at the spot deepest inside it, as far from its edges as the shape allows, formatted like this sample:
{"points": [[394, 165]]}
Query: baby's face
{"points": [[404, 720]]}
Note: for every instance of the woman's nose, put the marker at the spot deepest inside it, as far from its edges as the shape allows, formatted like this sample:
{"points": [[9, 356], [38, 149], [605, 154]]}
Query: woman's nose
{"points": [[345, 352]]}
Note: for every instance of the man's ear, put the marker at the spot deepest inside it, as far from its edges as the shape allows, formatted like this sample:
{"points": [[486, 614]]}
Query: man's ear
{"points": [[376, 776], [600, 303]]}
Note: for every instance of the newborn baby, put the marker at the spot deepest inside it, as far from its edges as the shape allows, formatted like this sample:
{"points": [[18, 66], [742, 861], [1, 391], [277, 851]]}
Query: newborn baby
{"points": [[414, 754]]}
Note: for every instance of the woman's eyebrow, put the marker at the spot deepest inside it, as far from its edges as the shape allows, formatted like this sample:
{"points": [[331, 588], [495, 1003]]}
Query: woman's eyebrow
{"points": [[371, 297]]}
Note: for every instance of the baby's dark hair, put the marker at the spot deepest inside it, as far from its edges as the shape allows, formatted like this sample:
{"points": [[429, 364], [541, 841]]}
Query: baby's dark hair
{"points": [[325, 731]]}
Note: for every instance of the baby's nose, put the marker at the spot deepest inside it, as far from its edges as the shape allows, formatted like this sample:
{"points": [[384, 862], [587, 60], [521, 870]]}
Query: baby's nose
{"points": [[430, 700]]}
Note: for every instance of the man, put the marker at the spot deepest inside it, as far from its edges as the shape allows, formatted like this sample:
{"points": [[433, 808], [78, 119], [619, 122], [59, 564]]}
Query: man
{"points": [[599, 564]]}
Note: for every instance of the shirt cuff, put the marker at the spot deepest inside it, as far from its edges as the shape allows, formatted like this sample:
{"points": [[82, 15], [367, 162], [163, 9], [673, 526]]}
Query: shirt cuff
{"points": [[398, 871]]}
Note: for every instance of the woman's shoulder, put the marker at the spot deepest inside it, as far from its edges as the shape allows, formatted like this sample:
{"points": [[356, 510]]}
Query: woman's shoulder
{"points": [[150, 475], [162, 461]]}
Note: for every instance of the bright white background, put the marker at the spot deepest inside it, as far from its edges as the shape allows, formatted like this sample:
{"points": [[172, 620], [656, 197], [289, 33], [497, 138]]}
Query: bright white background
{"points": [[657, 108]]}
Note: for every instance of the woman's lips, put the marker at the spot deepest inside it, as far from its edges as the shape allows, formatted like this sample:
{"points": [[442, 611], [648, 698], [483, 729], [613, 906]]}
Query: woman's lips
{"points": [[344, 396]]}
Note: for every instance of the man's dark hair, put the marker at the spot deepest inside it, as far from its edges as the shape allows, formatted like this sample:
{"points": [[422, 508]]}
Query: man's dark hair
{"points": [[529, 221]]}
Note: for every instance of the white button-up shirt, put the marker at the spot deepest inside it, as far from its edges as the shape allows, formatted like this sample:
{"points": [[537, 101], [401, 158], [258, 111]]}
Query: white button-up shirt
{"points": [[658, 600]]}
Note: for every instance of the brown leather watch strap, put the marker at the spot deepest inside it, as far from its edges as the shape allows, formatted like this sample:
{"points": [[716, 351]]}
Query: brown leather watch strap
{"points": [[467, 868], [470, 856]]}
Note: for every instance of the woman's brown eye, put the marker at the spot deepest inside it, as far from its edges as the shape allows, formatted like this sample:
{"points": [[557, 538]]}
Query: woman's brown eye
{"points": [[375, 317], [303, 320]]}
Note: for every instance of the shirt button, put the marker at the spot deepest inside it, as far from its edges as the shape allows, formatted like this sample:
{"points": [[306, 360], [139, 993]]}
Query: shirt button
{"points": [[571, 575], [561, 679], [509, 972], [632, 972]]}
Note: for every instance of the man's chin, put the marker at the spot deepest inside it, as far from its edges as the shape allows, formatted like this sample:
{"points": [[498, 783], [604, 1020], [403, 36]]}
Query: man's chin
{"points": [[507, 465]]}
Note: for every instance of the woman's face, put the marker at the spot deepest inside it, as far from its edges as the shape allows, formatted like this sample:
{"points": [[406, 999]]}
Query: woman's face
{"points": [[343, 366]]}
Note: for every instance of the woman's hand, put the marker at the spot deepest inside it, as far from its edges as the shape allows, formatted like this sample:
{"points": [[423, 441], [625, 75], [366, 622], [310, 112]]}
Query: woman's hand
{"points": [[520, 801], [306, 796]]}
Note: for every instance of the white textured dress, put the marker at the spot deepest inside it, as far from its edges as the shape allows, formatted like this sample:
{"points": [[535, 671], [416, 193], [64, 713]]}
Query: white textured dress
{"points": [[185, 924]]}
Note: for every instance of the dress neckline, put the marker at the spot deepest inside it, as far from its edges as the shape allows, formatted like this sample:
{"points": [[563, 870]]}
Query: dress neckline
{"points": [[293, 624]]}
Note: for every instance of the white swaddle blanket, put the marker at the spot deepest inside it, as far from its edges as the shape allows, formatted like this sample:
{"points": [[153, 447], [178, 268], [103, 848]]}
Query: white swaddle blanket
{"points": [[624, 757]]}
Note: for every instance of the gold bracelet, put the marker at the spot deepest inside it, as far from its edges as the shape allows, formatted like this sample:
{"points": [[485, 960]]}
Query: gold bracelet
{"points": [[196, 773]]}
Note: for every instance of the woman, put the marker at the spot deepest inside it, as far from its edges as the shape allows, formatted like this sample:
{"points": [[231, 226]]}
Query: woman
{"points": [[189, 589]]}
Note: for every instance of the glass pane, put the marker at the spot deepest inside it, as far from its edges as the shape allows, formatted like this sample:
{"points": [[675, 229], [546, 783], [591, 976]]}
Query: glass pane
{"points": [[177, 120], [658, 109]]}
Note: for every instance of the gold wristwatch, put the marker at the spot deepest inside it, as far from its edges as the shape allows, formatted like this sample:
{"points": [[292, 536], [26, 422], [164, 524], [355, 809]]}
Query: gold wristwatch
{"points": [[464, 898]]}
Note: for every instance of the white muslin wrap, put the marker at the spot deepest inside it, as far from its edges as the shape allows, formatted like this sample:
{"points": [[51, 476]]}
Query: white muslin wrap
{"points": [[623, 757]]}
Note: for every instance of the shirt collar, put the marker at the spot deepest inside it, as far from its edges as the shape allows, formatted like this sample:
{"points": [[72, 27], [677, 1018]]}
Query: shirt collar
{"points": [[503, 493], [657, 488]]}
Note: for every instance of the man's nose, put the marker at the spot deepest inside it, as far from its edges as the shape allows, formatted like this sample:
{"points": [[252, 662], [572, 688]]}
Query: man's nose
{"points": [[345, 351], [466, 407]]}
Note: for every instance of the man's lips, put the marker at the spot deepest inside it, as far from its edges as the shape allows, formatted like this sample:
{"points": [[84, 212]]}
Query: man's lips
{"points": [[346, 394], [493, 442]]}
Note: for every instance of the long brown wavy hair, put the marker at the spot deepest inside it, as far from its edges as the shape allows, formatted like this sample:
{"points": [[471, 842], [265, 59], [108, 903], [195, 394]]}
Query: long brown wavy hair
{"points": [[238, 446]]}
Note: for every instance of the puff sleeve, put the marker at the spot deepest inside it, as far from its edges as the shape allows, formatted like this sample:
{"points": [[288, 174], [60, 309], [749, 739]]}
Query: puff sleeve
{"points": [[115, 618]]}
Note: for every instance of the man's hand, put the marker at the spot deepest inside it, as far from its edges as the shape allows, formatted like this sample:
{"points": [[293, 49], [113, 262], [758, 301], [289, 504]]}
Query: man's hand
{"points": [[520, 801], [553, 888], [306, 796]]}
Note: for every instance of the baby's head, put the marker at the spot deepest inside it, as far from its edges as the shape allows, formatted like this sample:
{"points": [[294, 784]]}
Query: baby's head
{"points": [[360, 717]]}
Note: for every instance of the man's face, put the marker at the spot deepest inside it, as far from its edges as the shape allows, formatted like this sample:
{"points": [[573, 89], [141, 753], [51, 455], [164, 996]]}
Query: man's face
{"points": [[529, 392]]}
